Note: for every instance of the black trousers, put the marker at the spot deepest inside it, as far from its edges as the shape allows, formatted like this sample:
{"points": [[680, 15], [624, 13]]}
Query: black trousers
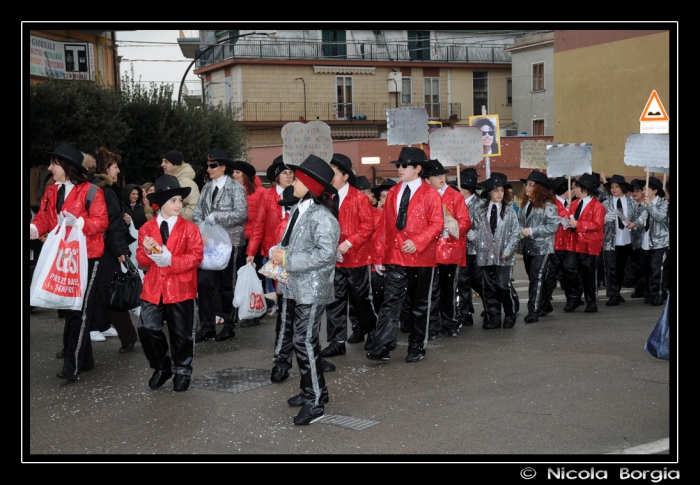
{"points": [[223, 282], [77, 346], [581, 273], [655, 265], [498, 291], [443, 305], [352, 284], [400, 282], [377, 287], [637, 269], [176, 356], [307, 347], [615, 262], [469, 280], [536, 267], [284, 333], [555, 272], [120, 320]]}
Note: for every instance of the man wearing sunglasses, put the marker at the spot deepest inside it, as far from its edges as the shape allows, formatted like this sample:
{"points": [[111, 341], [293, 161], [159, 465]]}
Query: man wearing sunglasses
{"points": [[488, 135], [173, 164], [223, 202]]}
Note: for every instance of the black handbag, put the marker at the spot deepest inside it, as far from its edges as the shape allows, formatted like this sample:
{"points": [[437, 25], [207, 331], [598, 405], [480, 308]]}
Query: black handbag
{"points": [[125, 288]]}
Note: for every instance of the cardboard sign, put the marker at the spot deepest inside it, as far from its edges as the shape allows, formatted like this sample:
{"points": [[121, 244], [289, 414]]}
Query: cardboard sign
{"points": [[533, 154], [571, 159], [299, 140], [646, 149], [452, 146], [407, 126]]}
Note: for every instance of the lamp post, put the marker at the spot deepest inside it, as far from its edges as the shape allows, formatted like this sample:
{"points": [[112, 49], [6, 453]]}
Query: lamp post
{"points": [[304, 83], [200, 53]]}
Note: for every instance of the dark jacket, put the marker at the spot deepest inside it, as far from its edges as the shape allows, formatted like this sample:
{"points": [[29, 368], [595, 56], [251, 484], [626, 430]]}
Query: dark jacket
{"points": [[137, 213], [115, 236]]}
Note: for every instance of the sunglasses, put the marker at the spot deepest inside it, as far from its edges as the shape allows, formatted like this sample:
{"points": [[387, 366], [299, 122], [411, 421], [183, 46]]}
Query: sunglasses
{"points": [[404, 165], [488, 133], [213, 165]]}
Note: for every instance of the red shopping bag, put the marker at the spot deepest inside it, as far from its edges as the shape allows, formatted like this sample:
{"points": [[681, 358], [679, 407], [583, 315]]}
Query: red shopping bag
{"points": [[60, 277]]}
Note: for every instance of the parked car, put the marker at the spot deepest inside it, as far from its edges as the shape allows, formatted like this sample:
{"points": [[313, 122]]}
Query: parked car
{"points": [[34, 250]]}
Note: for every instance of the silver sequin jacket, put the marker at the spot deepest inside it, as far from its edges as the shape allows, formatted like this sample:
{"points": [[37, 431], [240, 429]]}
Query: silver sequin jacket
{"points": [[609, 229], [543, 222], [474, 205], [658, 220], [230, 208], [310, 257], [490, 247]]}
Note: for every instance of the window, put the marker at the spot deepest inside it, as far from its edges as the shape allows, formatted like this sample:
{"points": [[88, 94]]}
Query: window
{"points": [[343, 97], [405, 90], [419, 45], [538, 76], [431, 96], [480, 87], [509, 91], [537, 127], [334, 43]]}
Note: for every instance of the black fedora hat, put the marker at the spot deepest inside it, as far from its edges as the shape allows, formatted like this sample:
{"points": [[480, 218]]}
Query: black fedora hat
{"points": [[467, 179], [385, 185], [319, 171], [288, 198], [560, 185], [217, 155], [412, 156], [637, 184], [588, 182], [167, 186], [361, 183], [244, 167], [344, 164], [435, 168], [620, 180], [538, 177], [496, 179], [655, 183], [70, 154], [274, 170]]}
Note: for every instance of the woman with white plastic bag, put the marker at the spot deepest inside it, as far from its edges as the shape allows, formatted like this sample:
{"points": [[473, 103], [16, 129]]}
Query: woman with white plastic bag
{"points": [[65, 203], [248, 296]]}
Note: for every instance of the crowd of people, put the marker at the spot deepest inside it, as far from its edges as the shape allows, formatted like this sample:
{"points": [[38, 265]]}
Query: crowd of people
{"points": [[403, 256]]}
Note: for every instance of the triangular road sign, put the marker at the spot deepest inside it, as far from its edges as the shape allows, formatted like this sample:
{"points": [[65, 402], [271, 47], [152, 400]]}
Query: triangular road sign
{"points": [[654, 110]]}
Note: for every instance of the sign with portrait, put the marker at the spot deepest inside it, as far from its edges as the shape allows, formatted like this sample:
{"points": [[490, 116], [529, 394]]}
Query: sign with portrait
{"points": [[61, 60], [299, 140], [569, 160], [490, 133], [459, 144], [533, 154], [407, 126], [647, 149]]}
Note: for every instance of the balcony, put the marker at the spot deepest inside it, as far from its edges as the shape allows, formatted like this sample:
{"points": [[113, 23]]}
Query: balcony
{"points": [[355, 51], [267, 112]]}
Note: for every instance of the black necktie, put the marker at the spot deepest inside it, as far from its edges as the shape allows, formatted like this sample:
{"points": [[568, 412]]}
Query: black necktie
{"points": [[494, 218], [619, 218], [288, 234], [566, 204], [529, 209], [213, 194], [579, 208], [61, 197], [403, 209], [164, 232], [646, 223]]}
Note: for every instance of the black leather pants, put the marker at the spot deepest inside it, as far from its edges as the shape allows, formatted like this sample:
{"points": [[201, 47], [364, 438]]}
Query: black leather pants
{"points": [[177, 356], [581, 273], [469, 280], [352, 284], [536, 267], [307, 323], [498, 291], [223, 281], [615, 262], [555, 273], [443, 311], [655, 266], [284, 333]]}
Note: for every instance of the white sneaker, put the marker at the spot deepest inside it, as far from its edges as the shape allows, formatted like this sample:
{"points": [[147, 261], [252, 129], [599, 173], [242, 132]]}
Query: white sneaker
{"points": [[111, 332], [97, 336]]}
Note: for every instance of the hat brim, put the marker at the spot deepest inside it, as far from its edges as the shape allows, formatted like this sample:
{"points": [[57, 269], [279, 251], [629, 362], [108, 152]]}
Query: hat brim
{"points": [[329, 187], [626, 186], [162, 197], [76, 164], [592, 191]]}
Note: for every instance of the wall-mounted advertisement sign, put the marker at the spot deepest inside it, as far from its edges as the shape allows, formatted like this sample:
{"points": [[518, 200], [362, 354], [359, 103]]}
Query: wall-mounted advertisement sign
{"points": [[61, 60]]}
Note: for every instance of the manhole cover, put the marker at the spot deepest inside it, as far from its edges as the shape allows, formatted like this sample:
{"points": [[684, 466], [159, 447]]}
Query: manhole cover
{"points": [[235, 379], [348, 422]]}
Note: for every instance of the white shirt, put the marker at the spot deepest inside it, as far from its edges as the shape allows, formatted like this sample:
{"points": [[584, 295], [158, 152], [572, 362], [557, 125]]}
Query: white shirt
{"points": [[622, 236], [342, 192], [170, 220], [498, 211], [413, 185], [564, 202], [584, 202], [69, 186], [279, 190]]}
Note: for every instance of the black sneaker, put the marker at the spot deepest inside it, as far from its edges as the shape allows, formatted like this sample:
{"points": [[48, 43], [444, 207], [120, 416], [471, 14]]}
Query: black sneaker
{"points": [[434, 335], [414, 356], [378, 354], [327, 366], [334, 349], [309, 414], [205, 333], [369, 343], [356, 337], [279, 374], [451, 333]]}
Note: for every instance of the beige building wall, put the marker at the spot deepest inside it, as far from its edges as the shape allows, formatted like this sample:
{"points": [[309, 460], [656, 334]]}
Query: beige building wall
{"points": [[601, 90]]}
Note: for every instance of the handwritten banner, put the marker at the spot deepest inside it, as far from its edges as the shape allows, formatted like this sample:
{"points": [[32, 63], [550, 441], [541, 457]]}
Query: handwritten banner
{"points": [[646, 149], [533, 154], [571, 159], [299, 140], [452, 146], [407, 126]]}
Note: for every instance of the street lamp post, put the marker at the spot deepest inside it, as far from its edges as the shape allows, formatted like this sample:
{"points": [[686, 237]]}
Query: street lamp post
{"points": [[200, 53], [304, 83]]}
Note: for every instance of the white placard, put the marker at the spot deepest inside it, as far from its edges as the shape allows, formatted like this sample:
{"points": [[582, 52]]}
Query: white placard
{"points": [[407, 126], [571, 159], [533, 154], [460, 144], [299, 140], [645, 149]]}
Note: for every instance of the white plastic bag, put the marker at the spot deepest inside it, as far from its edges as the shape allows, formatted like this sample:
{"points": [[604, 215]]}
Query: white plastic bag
{"points": [[60, 277], [217, 246], [248, 296]]}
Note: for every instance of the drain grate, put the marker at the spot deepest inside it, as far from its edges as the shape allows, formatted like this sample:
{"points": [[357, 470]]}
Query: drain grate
{"points": [[235, 379], [348, 422], [404, 343]]}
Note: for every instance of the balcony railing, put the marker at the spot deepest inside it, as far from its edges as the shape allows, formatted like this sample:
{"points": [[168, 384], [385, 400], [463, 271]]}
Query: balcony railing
{"points": [[354, 51], [293, 111]]}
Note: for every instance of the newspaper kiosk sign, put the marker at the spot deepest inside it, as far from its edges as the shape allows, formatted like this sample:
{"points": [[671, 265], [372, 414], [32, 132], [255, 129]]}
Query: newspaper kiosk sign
{"points": [[654, 118]]}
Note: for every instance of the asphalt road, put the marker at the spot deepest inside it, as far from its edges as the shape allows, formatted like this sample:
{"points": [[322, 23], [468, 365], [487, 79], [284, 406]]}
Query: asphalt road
{"points": [[574, 387]]}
